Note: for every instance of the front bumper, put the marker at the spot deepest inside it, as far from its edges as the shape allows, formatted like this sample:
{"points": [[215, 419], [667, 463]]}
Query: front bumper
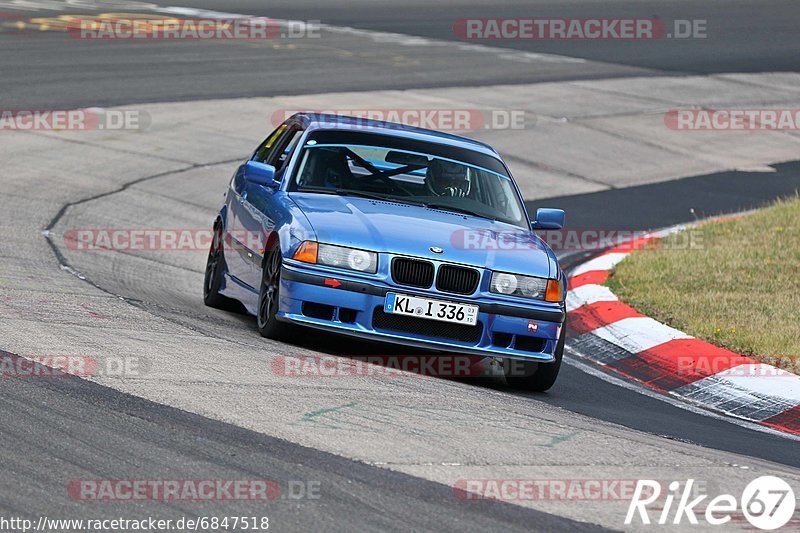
{"points": [[351, 306]]}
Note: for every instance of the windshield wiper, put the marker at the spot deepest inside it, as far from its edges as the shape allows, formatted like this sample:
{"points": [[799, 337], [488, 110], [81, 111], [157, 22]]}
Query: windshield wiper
{"points": [[360, 194], [343, 192], [447, 207], [374, 196]]}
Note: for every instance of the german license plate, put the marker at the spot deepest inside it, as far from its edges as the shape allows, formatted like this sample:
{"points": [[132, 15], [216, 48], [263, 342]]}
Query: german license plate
{"points": [[402, 304]]}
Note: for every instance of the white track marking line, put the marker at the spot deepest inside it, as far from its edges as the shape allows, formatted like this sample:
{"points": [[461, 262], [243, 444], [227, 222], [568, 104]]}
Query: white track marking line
{"points": [[602, 262], [638, 334], [589, 294]]}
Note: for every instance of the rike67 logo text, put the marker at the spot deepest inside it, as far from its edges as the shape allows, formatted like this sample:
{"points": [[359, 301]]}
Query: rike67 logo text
{"points": [[767, 503]]}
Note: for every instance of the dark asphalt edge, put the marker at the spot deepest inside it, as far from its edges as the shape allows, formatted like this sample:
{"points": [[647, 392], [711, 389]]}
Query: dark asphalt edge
{"points": [[177, 420], [663, 204]]}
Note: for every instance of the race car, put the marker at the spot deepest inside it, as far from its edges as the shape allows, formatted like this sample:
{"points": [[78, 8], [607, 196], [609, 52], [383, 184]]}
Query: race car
{"points": [[391, 233]]}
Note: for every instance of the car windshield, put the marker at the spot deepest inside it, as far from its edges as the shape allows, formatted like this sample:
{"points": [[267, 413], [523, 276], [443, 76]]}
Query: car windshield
{"points": [[406, 176]]}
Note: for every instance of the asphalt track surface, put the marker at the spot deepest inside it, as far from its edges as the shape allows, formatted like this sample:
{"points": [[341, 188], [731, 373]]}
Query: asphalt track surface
{"points": [[744, 36], [693, 198], [86, 422], [747, 36], [93, 423]]}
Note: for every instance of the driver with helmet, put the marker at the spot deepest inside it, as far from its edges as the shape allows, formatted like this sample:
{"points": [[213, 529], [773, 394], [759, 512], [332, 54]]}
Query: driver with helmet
{"points": [[445, 178]]}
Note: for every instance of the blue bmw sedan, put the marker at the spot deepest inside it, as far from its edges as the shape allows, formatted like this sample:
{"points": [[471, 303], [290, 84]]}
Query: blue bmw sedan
{"points": [[391, 233]]}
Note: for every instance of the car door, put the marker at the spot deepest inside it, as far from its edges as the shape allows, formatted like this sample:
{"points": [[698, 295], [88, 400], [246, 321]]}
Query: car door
{"points": [[256, 213], [237, 258]]}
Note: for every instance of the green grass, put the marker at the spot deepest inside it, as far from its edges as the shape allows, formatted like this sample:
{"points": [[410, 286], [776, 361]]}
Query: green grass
{"points": [[733, 283]]}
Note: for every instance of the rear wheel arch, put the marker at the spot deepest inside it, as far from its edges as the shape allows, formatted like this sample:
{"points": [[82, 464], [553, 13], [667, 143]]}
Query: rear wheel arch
{"points": [[214, 279]]}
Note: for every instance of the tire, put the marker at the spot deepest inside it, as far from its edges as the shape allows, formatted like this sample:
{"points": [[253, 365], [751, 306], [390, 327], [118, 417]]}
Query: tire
{"points": [[269, 296], [215, 272], [535, 377]]}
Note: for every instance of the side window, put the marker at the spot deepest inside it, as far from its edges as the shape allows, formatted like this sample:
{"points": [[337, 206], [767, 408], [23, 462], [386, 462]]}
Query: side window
{"points": [[278, 147], [265, 150]]}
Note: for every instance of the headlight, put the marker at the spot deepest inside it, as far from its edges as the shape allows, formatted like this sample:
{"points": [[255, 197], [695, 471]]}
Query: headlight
{"points": [[504, 283], [349, 258], [338, 257], [549, 290]]}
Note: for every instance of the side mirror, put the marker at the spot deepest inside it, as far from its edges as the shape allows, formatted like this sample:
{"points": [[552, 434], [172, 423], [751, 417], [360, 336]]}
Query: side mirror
{"points": [[260, 174], [547, 218]]}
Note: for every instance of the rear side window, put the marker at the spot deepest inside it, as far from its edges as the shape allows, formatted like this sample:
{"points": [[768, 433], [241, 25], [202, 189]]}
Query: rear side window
{"points": [[278, 147], [265, 150]]}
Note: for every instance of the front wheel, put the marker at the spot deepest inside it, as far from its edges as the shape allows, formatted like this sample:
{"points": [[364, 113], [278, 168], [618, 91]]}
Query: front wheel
{"points": [[532, 376], [269, 294]]}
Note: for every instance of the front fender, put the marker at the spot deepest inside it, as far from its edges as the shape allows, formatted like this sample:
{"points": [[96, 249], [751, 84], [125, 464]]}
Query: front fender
{"points": [[291, 227]]}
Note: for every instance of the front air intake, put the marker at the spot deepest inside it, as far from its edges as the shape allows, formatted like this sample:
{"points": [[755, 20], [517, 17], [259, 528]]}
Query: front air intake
{"points": [[456, 279], [412, 272]]}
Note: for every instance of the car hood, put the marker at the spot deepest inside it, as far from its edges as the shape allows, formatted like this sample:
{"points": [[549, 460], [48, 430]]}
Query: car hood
{"points": [[403, 229]]}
